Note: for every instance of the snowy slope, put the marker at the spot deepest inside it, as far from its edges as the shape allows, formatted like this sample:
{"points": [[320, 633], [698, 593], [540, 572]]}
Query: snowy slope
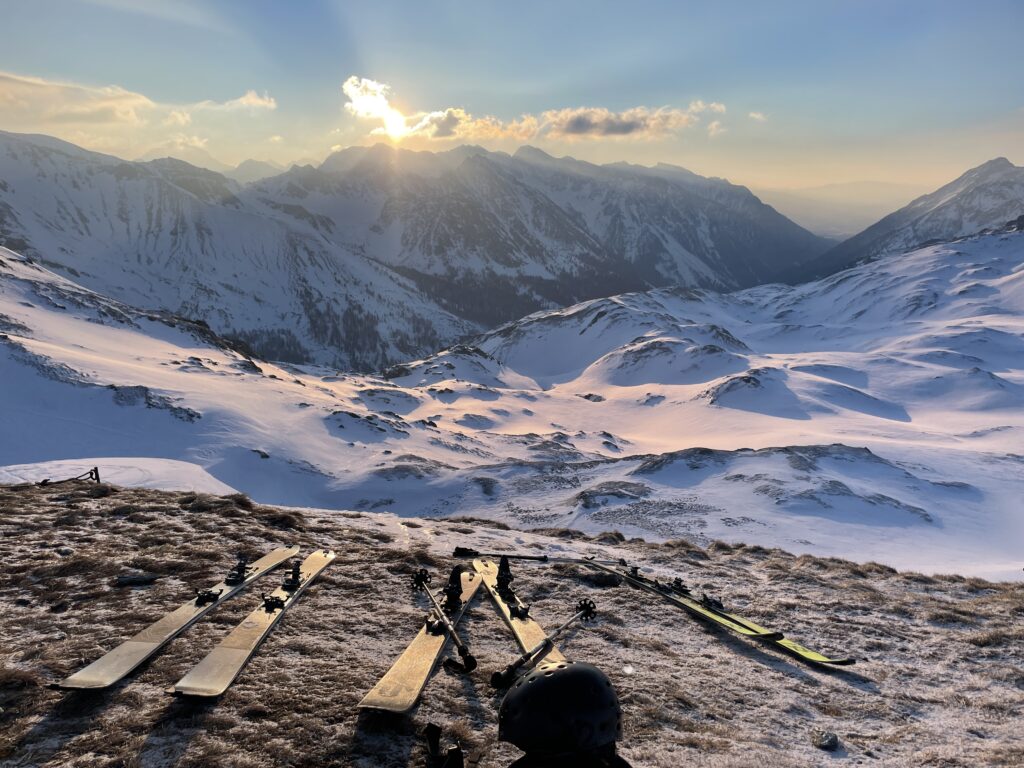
{"points": [[876, 414], [984, 197]]}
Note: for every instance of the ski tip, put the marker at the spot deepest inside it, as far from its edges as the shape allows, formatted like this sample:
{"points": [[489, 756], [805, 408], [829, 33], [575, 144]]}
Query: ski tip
{"points": [[198, 693], [71, 684]]}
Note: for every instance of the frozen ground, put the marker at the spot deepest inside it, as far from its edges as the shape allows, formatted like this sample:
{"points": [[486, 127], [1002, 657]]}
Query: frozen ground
{"points": [[938, 682], [877, 414]]}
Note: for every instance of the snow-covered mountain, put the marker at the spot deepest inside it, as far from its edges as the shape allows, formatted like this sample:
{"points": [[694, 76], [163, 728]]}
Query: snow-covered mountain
{"points": [[187, 153], [251, 170], [986, 196], [168, 235], [381, 254], [876, 414], [493, 236]]}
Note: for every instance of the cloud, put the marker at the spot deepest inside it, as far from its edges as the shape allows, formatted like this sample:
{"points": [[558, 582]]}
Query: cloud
{"points": [[759, 117], [114, 119], [441, 125], [276, 139], [597, 122], [372, 100], [183, 141], [698, 106], [178, 117], [249, 100], [715, 128], [32, 100]]}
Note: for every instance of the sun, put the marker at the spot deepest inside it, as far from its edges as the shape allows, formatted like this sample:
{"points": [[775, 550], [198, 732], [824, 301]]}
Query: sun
{"points": [[370, 99], [395, 125]]}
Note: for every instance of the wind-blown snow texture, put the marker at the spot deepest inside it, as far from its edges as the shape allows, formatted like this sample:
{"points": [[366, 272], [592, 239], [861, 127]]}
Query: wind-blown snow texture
{"points": [[876, 414], [381, 254], [984, 197]]}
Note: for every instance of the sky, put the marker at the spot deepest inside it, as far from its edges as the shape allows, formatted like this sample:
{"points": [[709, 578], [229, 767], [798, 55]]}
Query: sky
{"points": [[781, 95]]}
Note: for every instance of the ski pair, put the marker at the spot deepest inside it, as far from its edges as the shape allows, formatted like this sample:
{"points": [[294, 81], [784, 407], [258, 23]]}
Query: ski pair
{"points": [[704, 608], [400, 687], [130, 654], [218, 670], [530, 636]]}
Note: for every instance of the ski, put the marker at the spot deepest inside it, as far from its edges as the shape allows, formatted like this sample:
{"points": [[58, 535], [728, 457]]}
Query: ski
{"points": [[704, 608], [401, 685], [677, 588], [110, 668], [528, 633], [585, 611], [215, 673]]}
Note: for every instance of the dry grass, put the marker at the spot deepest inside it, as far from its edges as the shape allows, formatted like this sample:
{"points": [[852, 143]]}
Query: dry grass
{"points": [[940, 682]]}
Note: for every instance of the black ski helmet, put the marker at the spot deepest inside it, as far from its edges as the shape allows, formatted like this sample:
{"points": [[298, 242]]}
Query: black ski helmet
{"points": [[564, 707]]}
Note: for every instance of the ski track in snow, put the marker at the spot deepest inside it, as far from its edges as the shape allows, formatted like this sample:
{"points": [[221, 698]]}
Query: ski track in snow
{"points": [[875, 415]]}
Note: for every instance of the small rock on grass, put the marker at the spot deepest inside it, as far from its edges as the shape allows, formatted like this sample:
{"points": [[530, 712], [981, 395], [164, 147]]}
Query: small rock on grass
{"points": [[135, 579], [825, 740]]}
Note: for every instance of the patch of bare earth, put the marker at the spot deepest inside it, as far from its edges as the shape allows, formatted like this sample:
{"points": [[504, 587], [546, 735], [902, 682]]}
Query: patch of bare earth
{"points": [[939, 682]]}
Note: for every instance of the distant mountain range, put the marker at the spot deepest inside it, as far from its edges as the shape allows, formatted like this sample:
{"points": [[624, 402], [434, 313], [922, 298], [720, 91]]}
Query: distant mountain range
{"points": [[249, 171], [381, 254]]}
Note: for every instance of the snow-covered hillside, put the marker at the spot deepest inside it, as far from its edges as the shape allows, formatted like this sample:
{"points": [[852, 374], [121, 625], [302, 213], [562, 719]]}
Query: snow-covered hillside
{"points": [[876, 414], [380, 254], [984, 197]]}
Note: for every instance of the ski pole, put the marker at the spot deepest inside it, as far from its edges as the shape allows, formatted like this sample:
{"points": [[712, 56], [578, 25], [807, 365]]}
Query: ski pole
{"points": [[585, 611], [420, 580], [467, 553]]}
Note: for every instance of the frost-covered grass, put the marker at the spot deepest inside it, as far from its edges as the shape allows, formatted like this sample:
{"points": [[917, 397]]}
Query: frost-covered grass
{"points": [[939, 679]]}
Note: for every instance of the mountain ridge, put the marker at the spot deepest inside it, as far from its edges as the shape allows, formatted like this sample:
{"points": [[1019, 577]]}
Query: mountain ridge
{"points": [[985, 196]]}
